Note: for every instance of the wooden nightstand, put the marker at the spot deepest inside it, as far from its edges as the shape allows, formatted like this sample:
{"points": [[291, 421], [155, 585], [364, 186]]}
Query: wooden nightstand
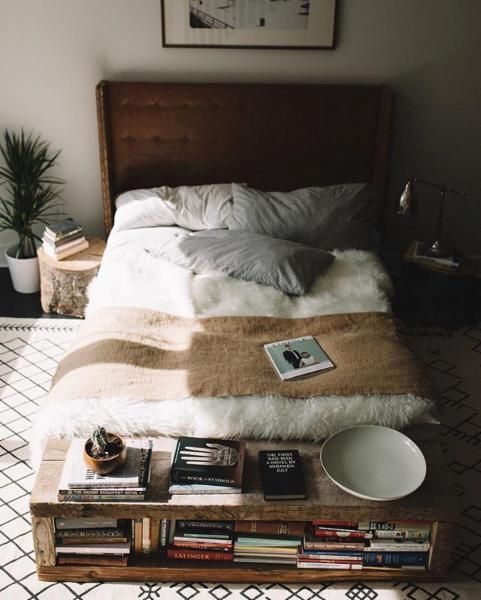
{"points": [[429, 295], [63, 283]]}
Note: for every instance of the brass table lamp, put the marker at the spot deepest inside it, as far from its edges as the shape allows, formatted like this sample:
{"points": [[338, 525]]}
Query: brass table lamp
{"points": [[408, 205]]}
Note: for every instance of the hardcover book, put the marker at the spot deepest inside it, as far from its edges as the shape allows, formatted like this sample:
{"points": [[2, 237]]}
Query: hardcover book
{"points": [[395, 559], [63, 228], [183, 554], [106, 560], [85, 523], [278, 528], [117, 548], [208, 461], [182, 525], [282, 475], [298, 357]]}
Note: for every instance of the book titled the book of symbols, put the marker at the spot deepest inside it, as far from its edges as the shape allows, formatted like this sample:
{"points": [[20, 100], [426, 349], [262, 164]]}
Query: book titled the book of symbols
{"points": [[297, 357]]}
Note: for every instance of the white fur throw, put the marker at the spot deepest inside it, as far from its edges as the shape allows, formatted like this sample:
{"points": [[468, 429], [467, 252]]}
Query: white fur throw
{"points": [[129, 276]]}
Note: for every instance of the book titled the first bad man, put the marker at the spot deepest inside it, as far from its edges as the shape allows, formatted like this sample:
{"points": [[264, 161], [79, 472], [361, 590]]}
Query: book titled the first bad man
{"points": [[282, 475]]}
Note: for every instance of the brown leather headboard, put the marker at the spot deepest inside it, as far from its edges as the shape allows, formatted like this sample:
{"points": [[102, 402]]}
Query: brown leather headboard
{"points": [[272, 137]]}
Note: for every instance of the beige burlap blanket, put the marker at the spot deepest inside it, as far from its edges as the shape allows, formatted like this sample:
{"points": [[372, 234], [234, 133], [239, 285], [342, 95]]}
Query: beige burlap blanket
{"points": [[137, 353]]}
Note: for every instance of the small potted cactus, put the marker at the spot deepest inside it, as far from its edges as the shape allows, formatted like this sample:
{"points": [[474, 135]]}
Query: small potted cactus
{"points": [[104, 452]]}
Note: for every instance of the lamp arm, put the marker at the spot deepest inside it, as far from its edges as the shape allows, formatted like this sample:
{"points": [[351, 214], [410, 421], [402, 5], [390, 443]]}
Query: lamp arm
{"points": [[442, 188]]}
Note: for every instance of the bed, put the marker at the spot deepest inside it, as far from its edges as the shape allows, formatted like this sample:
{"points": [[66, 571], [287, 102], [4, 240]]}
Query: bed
{"points": [[144, 308]]}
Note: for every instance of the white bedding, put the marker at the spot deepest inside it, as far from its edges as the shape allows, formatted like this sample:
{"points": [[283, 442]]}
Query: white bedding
{"points": [[130, 276]]}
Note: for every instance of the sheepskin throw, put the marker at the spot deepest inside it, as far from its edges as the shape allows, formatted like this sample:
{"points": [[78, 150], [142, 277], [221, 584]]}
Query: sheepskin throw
{"points": [[126, 352]]}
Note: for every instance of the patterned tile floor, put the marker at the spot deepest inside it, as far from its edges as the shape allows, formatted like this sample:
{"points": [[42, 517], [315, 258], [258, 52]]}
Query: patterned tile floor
{"points": [[29, 351]]}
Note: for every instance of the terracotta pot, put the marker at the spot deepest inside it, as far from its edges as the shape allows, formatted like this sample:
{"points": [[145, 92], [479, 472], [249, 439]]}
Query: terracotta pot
{"points": [[103, 466]]}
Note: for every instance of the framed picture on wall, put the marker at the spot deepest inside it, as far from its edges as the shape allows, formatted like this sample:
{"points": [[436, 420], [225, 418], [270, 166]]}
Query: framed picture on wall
{"points": [[294, 24]]}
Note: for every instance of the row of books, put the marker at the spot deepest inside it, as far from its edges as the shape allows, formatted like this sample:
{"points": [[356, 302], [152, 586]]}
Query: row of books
{"points": [[314, 545], [129, 483], [92, 541], [63, 239], [331, 544], [320, 544]]}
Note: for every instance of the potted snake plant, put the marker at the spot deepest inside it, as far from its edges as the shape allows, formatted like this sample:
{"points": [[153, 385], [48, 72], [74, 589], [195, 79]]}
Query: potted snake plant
{"points": [[29, 195], [104, 452]]}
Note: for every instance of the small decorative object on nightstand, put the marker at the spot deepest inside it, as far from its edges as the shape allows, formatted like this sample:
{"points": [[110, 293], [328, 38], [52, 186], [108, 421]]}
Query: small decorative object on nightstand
{"points": [[437, 292], [64, 283]]}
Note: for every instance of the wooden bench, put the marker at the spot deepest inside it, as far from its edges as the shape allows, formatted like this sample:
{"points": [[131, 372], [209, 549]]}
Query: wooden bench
{"points": [[433, 501]]}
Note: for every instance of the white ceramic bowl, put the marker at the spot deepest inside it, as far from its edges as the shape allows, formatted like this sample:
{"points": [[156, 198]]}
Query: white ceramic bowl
{"points": [[372, 462]]}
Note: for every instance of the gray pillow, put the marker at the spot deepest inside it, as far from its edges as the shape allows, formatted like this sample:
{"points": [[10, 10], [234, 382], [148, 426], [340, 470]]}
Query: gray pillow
{"points": [[339, 216], [285, 265]]}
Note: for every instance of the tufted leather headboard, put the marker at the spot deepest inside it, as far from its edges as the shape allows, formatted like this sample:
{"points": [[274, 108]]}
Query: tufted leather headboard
{"points": [[273, 137]]}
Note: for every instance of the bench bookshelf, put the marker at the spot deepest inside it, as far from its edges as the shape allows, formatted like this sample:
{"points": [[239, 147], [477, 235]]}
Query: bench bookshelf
{"points": [[433, 501]]}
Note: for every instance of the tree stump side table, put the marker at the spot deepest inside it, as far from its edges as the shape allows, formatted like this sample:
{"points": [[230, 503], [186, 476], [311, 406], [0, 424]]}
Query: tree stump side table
{"points": [[63, 283]]}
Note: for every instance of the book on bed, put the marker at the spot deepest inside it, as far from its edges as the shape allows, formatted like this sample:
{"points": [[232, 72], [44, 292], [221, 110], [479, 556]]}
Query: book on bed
{"points": [[298, 357]]}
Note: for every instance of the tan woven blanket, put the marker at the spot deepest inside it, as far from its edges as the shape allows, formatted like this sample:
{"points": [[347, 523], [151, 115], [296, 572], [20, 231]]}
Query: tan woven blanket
{"points": [[137, 353]]}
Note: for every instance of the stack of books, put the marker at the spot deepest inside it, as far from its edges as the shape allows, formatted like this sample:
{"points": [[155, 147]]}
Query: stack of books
{"points": [[332, 545], [207, 466], [201, 540], [92, 541], [127, 484], [64, 239], [275, 542], [355, 545], [397, 544], [419, 253]]}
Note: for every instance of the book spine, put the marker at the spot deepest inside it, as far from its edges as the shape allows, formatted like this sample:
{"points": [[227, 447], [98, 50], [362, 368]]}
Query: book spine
{"points": [[85, 523], [272, 527], [96, 491], [164, 534], [399, 547], [202, 478], [137, 536], [63, 234], [107, 561], [403, 534], [336, 524], [100, 498], [393, 525], [203, 546], [330, 557], [64, 245], [58, 242], [146, 535], [74, 541], [328, 565], [177, 553], [338, 533], [154, 535], [212, 525], [333, 545], [395, 559]]}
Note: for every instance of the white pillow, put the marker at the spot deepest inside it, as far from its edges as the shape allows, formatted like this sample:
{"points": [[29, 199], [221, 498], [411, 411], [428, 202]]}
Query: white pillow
{"points": [[193, 207]]}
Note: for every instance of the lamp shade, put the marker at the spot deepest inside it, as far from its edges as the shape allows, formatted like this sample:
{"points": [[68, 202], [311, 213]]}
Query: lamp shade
{"points": [[408, 202]]}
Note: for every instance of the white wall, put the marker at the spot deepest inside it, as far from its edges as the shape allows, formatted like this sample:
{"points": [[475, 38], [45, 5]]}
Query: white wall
{"points": [[53, 52]]}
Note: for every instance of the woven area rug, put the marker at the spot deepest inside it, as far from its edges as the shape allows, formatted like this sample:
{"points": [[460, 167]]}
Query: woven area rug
{"points": [[29, 351]]}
